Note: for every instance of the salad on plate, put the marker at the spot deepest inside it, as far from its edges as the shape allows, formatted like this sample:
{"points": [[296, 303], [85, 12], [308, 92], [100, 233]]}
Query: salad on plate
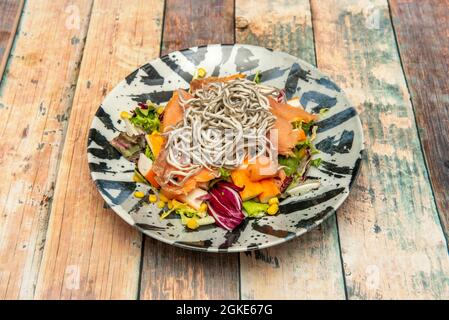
{"points": [[227, 149]]}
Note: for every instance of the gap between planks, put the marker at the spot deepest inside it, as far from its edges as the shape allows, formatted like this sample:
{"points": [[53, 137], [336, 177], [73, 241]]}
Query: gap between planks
{"points": [[29, 144], [96, 255], [419, 27], [10, 13], [308, 267], [391, 240], [169, 272]]}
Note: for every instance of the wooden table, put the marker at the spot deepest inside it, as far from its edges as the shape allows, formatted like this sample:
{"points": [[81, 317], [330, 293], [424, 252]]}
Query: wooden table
{"points": [[57, 238]]}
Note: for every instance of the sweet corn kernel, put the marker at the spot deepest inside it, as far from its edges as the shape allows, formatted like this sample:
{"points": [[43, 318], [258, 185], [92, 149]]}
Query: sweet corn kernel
{"points": [[176, 203], [203, 207], [161, 204], [274, 200], [163, 198], [273, 209], [125, 115], [139, 194], [201, 73], [170, 204], [160, 110], [152, 198], [192, 224]]}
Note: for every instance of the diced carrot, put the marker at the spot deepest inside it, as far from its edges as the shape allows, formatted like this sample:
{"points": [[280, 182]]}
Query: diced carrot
{"points": [[251, 189], [150, 178], [270, 190], [156, 142], [262, 168]]}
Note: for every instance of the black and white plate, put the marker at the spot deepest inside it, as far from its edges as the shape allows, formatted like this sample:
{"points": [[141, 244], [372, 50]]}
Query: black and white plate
{"points": [[340, 140]]}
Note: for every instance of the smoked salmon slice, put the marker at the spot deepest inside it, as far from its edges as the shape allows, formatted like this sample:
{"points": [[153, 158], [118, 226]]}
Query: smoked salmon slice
{"points": [[289, 112], [173, 112], [162, 169], [199, 83], [287, 136]]}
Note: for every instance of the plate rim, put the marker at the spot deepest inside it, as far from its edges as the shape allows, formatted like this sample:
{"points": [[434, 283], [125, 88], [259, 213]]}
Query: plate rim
{"points": [[301, 231]]}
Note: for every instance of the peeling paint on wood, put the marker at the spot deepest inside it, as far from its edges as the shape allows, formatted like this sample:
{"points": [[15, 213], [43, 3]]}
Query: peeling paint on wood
{"points": [[405, 256], [28, 156], [10, 12], [308, 267], [173, 273], [282, 25], [190, 23], [423, 39], [90, 252], [169, 272]]}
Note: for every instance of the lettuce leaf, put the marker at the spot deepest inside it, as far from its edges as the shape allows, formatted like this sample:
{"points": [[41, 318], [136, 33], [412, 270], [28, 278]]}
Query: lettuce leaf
{"points": [[290, 164], [255, 209], [146, 119]]}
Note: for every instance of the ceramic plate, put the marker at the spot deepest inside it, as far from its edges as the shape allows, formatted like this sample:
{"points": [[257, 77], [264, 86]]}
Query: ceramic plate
{"points": [[339, 139]]}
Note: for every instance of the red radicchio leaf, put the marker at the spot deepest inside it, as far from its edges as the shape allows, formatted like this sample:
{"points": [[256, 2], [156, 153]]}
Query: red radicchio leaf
{"points": [[142, 105], [230, 185], [281, 97], [225, 205], [285, 183]]}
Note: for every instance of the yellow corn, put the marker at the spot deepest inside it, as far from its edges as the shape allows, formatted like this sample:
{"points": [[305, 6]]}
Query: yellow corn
{"points": [[192, 224], [152, 198], [161, 204], [201, 73], [139, 194], [203, 207], [274, 200], [176, 203], [163, 198], [125, 115], [170, 204], [160, 110], [273, 209]]}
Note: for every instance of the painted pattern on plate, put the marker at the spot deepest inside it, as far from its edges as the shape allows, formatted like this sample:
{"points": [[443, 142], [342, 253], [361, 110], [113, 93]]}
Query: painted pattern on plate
{"points": [[339, 140]]}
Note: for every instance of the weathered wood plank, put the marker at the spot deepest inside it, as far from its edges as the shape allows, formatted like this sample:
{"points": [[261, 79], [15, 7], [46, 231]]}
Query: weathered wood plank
{"points": [[191, 23], [35, 97], [10, 11], [90, 252], [308, 267], [392, 243], [174, 273], [423, 40]]}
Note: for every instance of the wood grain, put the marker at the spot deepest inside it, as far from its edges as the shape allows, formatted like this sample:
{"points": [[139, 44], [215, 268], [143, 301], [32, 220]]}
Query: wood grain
{"points": [[10, 11], [392, 243], [35, 98], [423, 40], [308, 267], [169, 272], [174, 273], [191, 23], [90, 252]]}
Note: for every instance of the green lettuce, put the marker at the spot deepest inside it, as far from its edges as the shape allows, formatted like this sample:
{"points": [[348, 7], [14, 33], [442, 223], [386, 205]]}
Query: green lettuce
{"points": [[254, 209], [146, 119]]}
